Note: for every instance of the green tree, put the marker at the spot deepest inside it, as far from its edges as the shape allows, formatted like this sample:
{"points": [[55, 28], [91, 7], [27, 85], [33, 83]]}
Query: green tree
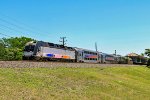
{"points": [[142, 54], [147, 52], [16, 42], [2, 50], [12, 48]]}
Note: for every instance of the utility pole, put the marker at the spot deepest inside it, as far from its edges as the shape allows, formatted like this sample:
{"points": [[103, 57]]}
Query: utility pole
{"points": [[96, 46], [115, 52], [63, 40]]}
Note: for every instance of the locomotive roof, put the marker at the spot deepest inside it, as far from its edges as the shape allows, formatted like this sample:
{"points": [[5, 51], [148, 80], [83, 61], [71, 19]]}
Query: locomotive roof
{"points": [[56, 45]]}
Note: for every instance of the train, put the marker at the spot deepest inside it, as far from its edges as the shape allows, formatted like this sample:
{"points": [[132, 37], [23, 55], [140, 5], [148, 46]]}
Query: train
{"points": [[46, 51]]}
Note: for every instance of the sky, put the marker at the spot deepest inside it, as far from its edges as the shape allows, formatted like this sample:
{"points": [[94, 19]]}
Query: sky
{"points": [[121, 25]]}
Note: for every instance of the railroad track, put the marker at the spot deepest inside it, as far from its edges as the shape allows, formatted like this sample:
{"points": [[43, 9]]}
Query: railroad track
{"points": [[34, 64]]}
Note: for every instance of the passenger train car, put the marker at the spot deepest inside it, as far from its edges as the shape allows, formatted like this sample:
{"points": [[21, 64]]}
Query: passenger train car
{"points": [[107, 58], [84, 55]]}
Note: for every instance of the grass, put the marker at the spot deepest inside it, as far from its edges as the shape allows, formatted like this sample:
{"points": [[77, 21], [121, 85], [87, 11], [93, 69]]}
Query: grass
{"points": [[115, 83]]}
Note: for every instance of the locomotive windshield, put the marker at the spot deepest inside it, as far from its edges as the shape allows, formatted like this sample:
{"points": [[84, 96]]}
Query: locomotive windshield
{"points": [[29, 48]]}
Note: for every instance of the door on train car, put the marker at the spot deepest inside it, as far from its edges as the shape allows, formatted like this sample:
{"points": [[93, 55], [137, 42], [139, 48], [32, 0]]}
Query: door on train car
{"points": [[102, 58], [79, 57]]}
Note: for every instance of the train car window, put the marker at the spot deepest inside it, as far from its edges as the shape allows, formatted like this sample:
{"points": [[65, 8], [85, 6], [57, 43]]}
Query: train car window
{"points": [[29, 48], [86, 52]]}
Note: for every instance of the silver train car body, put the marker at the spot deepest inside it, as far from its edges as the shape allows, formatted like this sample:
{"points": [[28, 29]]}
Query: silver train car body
{"points": [[88, 56], [108, 58], [48, 51]]}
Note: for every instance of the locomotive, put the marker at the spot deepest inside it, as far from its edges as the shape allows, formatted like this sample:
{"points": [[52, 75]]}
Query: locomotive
{"points": [[48, 51]]}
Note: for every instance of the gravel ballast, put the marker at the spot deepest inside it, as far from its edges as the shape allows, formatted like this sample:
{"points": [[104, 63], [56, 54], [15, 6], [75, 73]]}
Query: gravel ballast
{"points": [[31, 64]]}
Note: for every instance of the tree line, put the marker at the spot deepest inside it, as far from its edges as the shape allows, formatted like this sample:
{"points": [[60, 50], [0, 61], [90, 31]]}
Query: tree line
{"points": [[12, 48]]}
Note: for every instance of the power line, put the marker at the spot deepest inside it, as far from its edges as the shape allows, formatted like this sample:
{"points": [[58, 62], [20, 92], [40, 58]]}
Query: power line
{"points": [[12, 29], [12, 25], [18, 31], [31, 28], [19, 27], [6, 31]]}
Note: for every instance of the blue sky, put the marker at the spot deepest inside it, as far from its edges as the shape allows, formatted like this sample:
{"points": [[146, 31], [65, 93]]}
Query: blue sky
{"points": [[122, 25]]}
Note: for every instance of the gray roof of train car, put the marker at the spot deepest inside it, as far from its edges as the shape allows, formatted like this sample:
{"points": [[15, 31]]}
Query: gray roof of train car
{"points": [[81, 49]]}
